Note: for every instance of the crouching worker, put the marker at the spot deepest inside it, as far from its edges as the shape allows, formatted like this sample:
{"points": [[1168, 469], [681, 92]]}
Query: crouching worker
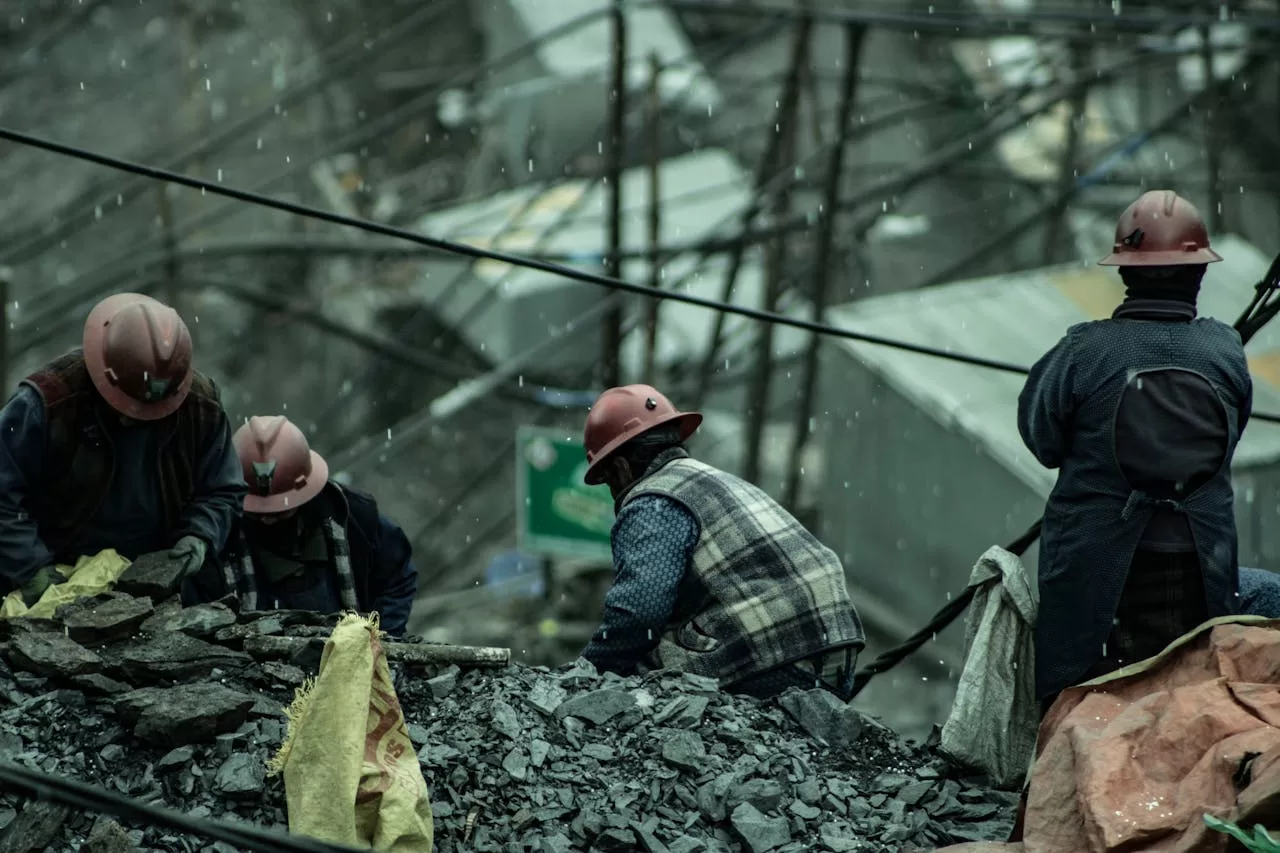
{"points": [[306, 543], [120, 444], [1140, 414], [712, 576]]}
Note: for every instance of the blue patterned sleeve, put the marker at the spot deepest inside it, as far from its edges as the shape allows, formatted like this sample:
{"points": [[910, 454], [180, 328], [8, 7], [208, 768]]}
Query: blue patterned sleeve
{"points": [[653, 541], [1046, 404]]}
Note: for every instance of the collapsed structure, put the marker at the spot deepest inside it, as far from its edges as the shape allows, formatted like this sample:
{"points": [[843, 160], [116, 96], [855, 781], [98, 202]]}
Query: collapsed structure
{"points": [[184, 707]]}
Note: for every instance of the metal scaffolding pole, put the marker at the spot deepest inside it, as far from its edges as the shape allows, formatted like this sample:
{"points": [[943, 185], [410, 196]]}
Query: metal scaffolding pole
{"points": [[1055, 247], [610, 366], [775, 270], [654, 128], [854, 36], [784, 117], [1212, 139]]}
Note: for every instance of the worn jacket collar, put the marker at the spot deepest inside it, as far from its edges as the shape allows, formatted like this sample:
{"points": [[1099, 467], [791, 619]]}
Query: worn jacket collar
{"points": [[1155, 310], [656, 465]]}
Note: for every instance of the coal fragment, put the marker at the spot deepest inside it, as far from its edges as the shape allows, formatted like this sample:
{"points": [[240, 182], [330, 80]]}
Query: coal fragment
{"points": [[53, 655], [443, 684], [153, 576], [759, 833], [240, 776], [109, 617], [109, 837], [201, 620], [100, 684], [598, 706], [684, 750], [824, 716], [185, 714], [36, 825], [177, 657]]}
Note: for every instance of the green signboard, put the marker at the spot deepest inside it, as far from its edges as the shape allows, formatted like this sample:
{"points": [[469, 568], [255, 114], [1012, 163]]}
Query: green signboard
{"points": [[558, 515]]}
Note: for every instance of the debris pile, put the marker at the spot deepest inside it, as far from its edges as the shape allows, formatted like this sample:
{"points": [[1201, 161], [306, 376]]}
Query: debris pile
{"points": [[183, 707]]}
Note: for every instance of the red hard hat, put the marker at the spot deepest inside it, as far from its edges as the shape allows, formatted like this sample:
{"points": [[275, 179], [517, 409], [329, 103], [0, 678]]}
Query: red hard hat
{"points": [[282, 470], [1160, 229], [138, 352], [621, 414]]}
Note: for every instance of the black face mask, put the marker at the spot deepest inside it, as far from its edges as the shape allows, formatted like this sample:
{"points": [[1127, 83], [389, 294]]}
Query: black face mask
{"points": [[1164, 284]]}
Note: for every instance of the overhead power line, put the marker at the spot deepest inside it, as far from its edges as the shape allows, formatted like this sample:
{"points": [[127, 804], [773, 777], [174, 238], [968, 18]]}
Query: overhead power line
{"points": [[465, 250]]}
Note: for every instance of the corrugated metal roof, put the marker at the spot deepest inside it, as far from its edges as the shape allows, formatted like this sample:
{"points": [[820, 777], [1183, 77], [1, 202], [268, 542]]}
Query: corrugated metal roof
{"points": [[1016, 318]]}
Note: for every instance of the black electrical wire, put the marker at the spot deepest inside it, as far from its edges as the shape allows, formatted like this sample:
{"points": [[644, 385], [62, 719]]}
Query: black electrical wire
{"points": [[451, 247], [1080, 25], [79, 795]]}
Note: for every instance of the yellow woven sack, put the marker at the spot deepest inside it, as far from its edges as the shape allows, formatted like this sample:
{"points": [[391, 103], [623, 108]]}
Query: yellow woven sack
{"points": [[89, 576], [351, 775]]}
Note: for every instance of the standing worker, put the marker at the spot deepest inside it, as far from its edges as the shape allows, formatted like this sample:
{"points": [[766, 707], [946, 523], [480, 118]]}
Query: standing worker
{"points": [[306, 543], [1141, 414], [120, 444], [712, 576]]}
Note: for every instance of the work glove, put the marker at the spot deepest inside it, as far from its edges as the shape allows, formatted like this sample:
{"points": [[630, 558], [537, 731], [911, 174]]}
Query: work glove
{"points": [[34, 588], [189, 553]]}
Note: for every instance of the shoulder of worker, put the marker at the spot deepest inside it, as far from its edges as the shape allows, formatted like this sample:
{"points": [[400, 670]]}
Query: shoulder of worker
{"points": [[204, 389], [1211, 326], [362, 507], [64, 378], [655, 506]]}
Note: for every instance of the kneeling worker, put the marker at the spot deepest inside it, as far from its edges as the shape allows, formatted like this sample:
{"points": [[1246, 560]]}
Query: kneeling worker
{"points": [[306, 543], [120, 444], [712, 576]]}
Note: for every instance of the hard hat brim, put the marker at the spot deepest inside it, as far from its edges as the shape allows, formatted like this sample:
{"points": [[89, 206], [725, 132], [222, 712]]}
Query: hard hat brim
{"points": [[285, 501], [1160, 259], [94, 349]]}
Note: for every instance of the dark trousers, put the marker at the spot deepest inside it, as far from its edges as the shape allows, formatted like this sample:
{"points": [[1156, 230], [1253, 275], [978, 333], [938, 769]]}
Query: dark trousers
{"points": [[806, 675], [1163, 599]]}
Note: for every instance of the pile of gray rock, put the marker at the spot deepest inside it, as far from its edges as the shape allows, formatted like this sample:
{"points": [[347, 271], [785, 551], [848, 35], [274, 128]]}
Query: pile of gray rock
{"points": [[183, 707]]}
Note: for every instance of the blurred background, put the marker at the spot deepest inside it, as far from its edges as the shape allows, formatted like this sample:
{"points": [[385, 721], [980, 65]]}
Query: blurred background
{"points": [[936, 173]]}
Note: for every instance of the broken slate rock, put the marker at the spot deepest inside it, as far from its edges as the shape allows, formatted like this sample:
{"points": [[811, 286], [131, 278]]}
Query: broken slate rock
{"points": [[759, 833], [185, 714], [105, 618], [765, 794], [284, 673], [53, 655], [504, 718], [598, 706], [445, 683], [177, 657], [99, 684], [241, 776], [153, 576], [109, 837], [202, 620], [824, 716], [684, 750], [36, 825]]}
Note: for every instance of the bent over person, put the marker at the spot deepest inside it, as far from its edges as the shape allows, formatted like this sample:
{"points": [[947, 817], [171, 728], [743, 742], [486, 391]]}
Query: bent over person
{"points": [[306, 543], [1140, 414], [120, 444], [712, 576]]}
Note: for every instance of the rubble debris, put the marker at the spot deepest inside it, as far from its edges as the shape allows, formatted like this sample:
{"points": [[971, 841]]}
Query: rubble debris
{"points": [[153, 576], [109, 617], [182, 714]]}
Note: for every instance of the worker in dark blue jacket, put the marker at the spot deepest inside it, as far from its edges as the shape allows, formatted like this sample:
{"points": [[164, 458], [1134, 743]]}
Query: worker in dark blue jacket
{"points": [[1140, 414], [119, 444], [306, 543]]}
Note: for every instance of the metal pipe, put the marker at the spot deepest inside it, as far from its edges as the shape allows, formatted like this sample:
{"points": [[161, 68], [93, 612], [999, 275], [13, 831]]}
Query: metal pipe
{"points": [[610, 357], [803, 428], [654, 127], [783, 117]]}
